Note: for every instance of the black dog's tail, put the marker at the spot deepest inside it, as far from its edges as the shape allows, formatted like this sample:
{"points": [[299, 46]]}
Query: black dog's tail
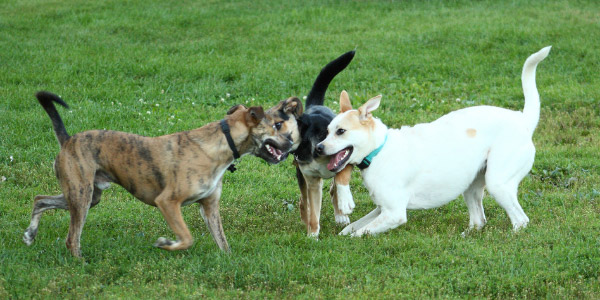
{"points": [[46, 99], [317, 93]]}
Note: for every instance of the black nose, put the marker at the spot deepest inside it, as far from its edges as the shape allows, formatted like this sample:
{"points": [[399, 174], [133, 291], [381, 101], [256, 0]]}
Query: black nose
{"points": [[289, 138], [320, 149]]}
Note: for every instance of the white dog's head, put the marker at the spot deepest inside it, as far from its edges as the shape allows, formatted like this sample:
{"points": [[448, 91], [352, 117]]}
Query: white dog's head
{"points": [[350, 135]]}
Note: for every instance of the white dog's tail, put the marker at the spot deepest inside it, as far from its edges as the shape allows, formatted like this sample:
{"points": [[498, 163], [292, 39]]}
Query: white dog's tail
{"points": [[531, 111]]}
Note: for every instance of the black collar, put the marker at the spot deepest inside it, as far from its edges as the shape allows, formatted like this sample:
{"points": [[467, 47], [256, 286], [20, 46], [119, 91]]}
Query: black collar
{"points": [[236, 154]]}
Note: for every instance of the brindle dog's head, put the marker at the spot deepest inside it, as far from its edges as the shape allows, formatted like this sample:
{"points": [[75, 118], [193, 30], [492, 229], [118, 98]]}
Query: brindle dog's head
{"points": [[275, 132]]}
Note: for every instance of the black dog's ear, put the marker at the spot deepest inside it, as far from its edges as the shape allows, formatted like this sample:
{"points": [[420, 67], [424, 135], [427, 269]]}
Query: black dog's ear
{"points": [[303, 122], [293, 105], [255, 115], [234, 108]]}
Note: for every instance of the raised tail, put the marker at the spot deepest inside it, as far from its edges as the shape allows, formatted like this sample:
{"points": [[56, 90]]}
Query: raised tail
{"points": [[317, 93], [46, 99], [531, 111]]}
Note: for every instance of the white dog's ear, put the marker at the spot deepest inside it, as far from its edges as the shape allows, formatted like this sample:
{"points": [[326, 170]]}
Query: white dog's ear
{"points": [[345, 102], [365, 110]]}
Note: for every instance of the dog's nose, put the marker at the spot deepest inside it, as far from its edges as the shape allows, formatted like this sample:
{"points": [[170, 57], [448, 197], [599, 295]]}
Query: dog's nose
{"points": [[289, 138], [320, 148]]}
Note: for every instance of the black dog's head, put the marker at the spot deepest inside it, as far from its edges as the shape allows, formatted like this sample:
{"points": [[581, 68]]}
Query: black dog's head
{"points": [[313, 129], [312, 124]]}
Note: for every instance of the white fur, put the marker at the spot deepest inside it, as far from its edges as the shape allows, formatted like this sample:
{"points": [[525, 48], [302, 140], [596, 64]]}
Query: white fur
{"points": [[345, 203], [429, 165]]}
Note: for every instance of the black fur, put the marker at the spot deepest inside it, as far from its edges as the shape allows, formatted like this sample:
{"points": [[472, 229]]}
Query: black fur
{"points": [[316, 96], [46, 99], [314, 121]]}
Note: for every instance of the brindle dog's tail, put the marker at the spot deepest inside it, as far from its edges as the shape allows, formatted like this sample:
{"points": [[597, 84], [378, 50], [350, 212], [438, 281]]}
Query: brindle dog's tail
{"points": [[317, 93], [46, 99]]}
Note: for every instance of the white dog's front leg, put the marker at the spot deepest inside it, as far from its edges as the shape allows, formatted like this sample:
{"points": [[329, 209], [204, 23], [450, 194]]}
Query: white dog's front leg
{"points": [[345, 200], [361, 222], [385, 221]]}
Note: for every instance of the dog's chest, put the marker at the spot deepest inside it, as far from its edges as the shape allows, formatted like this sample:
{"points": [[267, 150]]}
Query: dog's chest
{"points": [[205, 187], [317, 168]]}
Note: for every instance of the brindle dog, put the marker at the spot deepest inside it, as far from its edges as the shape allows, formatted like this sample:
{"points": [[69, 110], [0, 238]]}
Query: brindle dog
{"points": [[167, 171]]}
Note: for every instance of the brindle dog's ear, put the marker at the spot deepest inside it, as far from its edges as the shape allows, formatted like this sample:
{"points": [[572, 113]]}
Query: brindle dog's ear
{"points": [[234, 108], [293, 105], [255, 115]]}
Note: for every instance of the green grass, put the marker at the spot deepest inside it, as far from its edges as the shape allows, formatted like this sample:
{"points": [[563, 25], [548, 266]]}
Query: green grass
{"points": [[156, 67]]}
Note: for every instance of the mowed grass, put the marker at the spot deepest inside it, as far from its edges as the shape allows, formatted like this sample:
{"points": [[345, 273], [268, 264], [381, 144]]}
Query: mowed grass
{"points": [[157, 67]]}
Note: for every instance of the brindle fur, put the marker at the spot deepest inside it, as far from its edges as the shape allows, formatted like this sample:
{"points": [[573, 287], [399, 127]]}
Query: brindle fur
{"points": [[166, 171]]}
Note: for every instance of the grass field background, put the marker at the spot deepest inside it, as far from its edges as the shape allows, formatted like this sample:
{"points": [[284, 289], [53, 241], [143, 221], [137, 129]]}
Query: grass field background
{"points": [[157, 67]]}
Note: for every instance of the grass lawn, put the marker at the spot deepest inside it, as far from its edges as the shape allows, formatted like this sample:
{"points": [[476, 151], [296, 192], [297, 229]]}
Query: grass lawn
{"points": [[157, 67]]}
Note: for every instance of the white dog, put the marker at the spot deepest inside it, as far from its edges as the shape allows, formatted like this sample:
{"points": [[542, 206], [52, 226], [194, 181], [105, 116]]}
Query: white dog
{"points": [[429, 165]]}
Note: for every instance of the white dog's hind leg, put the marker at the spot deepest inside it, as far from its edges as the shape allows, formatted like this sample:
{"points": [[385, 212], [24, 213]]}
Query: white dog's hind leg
{"points": [[506, 196], [362, 221], [474, 200], [505, 170]]}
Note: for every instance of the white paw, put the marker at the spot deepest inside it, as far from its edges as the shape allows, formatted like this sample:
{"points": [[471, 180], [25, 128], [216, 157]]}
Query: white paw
{"points": [[27, 238], [517, 227], [163, 242], [342, 219], [345, 201], [347, 230], [356, 234], [314, 235]]}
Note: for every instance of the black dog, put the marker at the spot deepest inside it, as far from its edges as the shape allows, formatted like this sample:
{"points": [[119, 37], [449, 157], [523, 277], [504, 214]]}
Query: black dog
{"points": [[311, 168]]}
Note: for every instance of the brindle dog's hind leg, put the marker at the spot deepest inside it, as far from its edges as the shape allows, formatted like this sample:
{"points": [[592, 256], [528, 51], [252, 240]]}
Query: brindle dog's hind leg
{"points": [[42, 203]]}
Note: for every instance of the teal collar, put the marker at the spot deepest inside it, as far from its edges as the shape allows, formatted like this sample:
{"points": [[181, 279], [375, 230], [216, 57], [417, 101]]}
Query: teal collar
{"points": [[366, 162]]}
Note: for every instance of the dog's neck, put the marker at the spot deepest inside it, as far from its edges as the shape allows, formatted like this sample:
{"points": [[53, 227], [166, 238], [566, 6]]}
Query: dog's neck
{"points": [[376, 139], [379, 133], [238, 131]]}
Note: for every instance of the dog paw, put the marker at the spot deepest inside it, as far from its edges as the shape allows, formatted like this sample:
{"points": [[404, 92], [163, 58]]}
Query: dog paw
{"points": [[359, 233], [342, 219], [347, 230], [519, 226], [313, 235], [345, 201], [163, 242], [28, 239], [346, 208]]}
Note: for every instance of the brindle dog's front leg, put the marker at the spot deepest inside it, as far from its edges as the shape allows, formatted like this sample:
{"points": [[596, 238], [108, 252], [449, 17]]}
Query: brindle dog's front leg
{"points": [[170, 207], [209, 210]]}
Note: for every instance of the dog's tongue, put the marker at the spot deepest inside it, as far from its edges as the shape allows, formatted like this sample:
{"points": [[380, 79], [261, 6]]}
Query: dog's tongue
{"points": [[334, 160]]}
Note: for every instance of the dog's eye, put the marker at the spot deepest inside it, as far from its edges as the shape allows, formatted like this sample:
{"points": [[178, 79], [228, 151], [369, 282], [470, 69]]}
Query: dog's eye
{"points": [[340, 131], [277, 125]]}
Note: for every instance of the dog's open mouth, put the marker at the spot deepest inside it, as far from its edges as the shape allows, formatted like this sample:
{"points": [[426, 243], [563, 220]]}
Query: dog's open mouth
{"points": [[272, 153], [339, 160], [276, 153]]}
